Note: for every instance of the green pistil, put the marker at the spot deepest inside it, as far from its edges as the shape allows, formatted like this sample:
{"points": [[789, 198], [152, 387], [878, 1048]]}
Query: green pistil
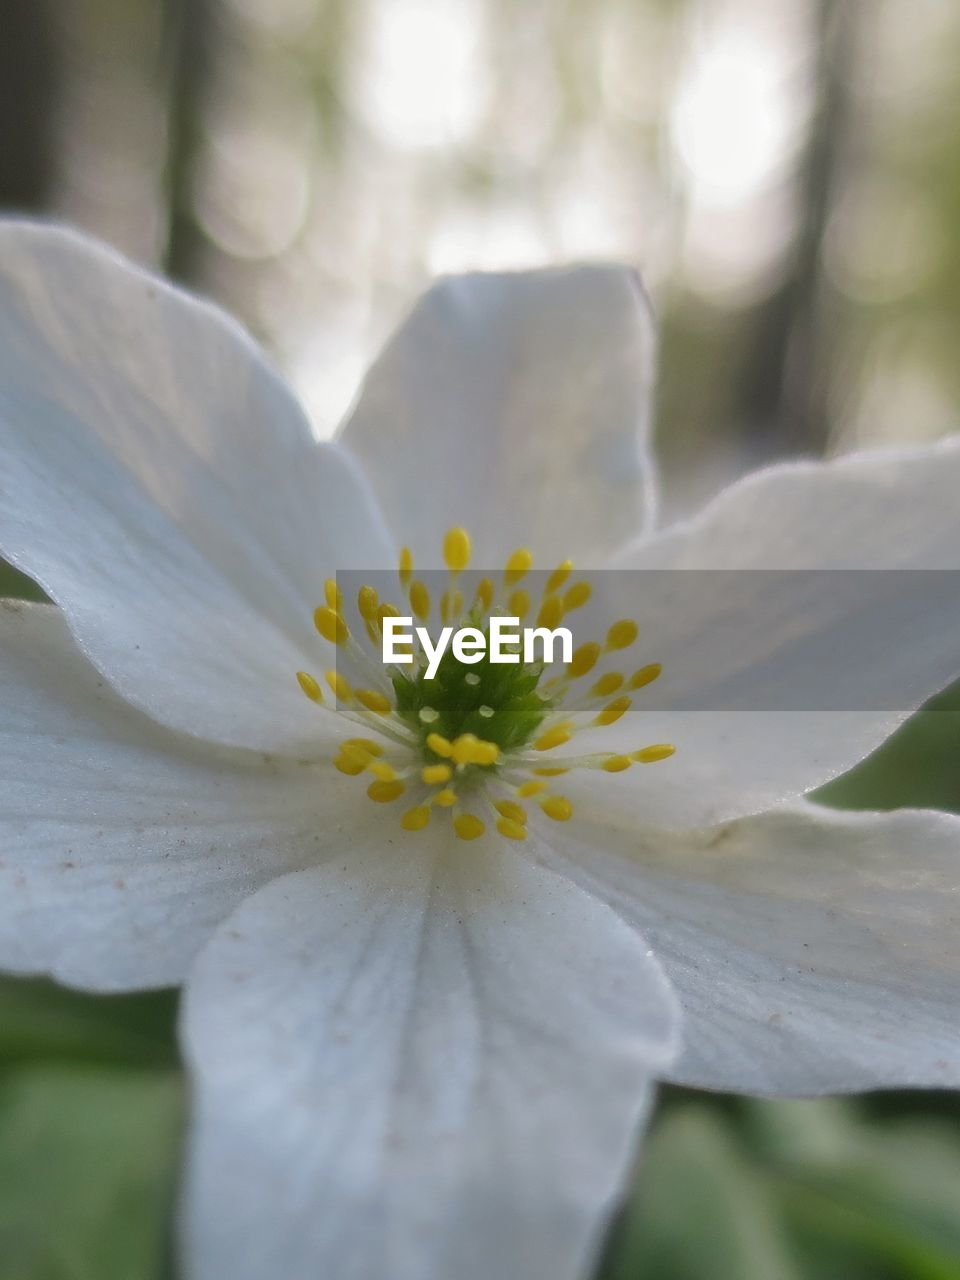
{"points": [[458, 692]]}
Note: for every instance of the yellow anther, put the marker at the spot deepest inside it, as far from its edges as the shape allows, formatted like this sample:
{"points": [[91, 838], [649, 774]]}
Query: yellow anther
{"points": [[384, 792], [406, 566], [456, 549], [333, 595], [518, 564], [484, 596], [468, 826], [557, 807], [554, 737], [420, 600], [584, 659], [646, 675], [416, 819], [374, 701], [551, 612], [616, 764], [462, 748], [519, 604], [559, 576], [367, 603], [380, 769], [445, 798], [577, 596], [651, 754], [531, 788], [364, 744], [436, 773], [613, 710], [331, 625], [309, 686], [622, 634], [356, 755], [339, 684], [512, 830], [373, 630], [469, 749], [387, 611], [348, 765], [510, 809], [607, 684], [550, 773], [439, 745]]}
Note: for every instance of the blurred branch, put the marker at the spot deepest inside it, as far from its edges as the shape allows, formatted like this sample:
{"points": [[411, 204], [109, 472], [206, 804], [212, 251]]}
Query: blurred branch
{"points": [[189, 27], [29, 67], [783, 389]]}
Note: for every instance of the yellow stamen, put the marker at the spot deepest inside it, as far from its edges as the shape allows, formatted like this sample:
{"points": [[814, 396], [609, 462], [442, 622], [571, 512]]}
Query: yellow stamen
{"points": [[512, 830], [445, 798], [510, 809], [554, 737], [645, 675], [439, 745], [416, 819], [557, 807], [348, 765], [434, 773], [331, 625], [622, 634], [405, 572], [518, 604], [651, 754], [607, 684], [584, 660], [451, 606], [384, 792], [339, 684], [356, 755], [551, 612], [367, 603], [333, 595], [484, 596], [616, 764], [380, 769], [531, 788], [468, 826], [519, 563], [559, 576], [456, 549], [577, 596], [550, 773], [374, 701], [613, 710], [309, 686], [365, 744], [420, 600], [469, 749]]}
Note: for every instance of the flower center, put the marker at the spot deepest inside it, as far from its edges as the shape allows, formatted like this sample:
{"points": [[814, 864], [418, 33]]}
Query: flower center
{"points": [[481, 740]]}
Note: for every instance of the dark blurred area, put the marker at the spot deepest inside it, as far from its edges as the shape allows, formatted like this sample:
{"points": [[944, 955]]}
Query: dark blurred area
{"points": [[786, 175]]}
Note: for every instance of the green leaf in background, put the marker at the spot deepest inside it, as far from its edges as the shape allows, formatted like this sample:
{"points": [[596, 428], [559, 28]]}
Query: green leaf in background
{"points": [[87, 1172]]}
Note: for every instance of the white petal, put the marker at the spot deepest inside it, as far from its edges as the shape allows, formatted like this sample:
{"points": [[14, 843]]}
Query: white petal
{"points": [[417, 1062], [517, 406], [163, 486], [813, 951], [123, 844], [787, 657]]}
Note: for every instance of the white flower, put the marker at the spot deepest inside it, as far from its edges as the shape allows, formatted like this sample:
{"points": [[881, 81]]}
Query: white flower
{"points": [[419, 1056]]}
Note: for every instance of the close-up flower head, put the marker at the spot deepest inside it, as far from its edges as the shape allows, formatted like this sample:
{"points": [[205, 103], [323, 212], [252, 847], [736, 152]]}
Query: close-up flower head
{"points": [[440, 825]]}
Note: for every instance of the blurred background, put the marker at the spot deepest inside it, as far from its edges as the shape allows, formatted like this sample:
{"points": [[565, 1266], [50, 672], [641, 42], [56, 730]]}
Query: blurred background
{"points": [[787, 177]]}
